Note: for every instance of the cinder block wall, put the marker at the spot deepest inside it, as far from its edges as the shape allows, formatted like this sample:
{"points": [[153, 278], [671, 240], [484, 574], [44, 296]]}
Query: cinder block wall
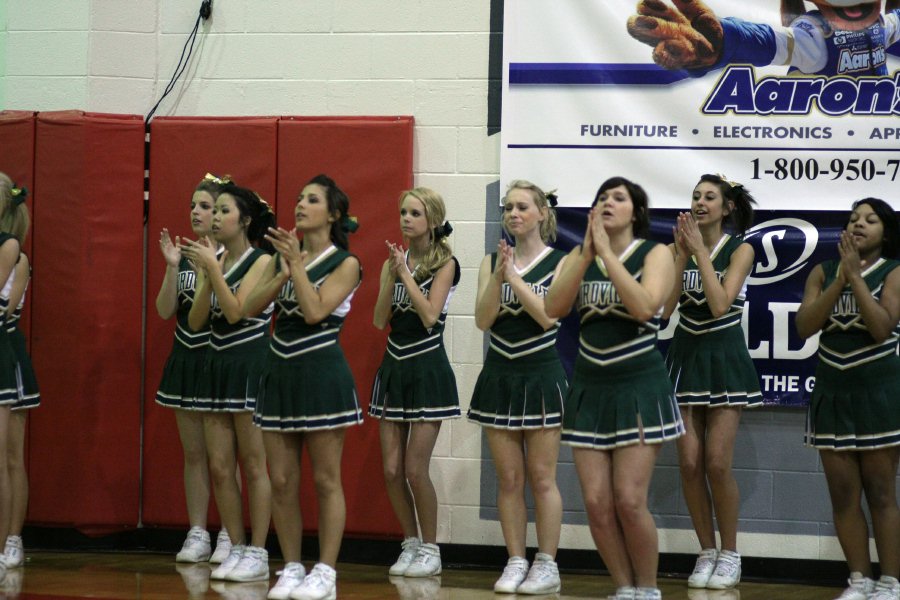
{"points": [[426, 58]]}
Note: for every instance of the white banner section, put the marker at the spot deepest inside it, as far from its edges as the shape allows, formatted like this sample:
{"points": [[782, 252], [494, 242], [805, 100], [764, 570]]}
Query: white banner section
{"points": [[805, 116]]}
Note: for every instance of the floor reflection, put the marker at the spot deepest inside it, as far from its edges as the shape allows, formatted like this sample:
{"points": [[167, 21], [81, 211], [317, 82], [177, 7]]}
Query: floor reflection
{"points": [[116, 576]]}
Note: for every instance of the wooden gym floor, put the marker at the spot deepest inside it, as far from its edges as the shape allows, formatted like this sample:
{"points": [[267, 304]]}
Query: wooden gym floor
{"points": [[132, 576]]}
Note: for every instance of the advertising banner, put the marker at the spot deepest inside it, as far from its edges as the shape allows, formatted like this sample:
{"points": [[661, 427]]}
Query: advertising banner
{"points": [[797, 101], [805, 115]]}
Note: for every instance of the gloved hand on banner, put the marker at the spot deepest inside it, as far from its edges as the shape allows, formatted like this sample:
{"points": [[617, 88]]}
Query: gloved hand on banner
{"points": [[828, 40], [686, 36]]}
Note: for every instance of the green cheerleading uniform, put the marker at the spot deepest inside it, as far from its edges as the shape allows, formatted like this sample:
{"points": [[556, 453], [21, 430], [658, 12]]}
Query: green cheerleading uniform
{"points": [[415, 381], [230, 377], [29, 395], [178, 386], [522, 384], [854, 403], [10, 388], [306, 384], [708, 360], [620, 393]]}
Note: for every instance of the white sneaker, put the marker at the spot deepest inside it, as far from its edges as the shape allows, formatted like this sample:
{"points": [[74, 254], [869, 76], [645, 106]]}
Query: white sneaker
{"points": [[230, 562], [410, 548], [13, 552], [859, 587], [543, 577], [647, 594], [196, 547], [427, 562], [223, 548], [623, 593], [703, 568], [253, 566], [289, 579], [887, 588], [514, 573], [727, 573], [320, 584]]}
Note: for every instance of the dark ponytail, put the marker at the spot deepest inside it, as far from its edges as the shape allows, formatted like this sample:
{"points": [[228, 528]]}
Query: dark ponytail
{"points": [[257, 210], [740, 218], [339, 207]]}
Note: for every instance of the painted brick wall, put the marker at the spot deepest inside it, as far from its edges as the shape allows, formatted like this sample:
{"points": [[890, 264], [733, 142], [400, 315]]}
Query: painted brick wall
{"points": [[427, 58]]}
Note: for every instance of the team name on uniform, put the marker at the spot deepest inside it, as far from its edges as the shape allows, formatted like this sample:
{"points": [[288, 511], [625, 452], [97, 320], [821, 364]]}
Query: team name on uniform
{"points": [[286, 294], [602, 293], [508, 296], [846, 305], [692, 282], [187, 280], [401, 295]]}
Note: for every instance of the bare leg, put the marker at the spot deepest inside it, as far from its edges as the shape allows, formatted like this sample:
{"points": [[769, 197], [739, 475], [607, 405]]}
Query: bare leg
{"points": [[422, 437], [595, 472], [283, 453], [509, 462], [879, 474], [393, 436], [221, 447], [632, 470], [325, 450], [196, 469], [253, 461], [721, 432], [5, 492], [18, 476], [542, 455], [691, 461], [842, 471]]}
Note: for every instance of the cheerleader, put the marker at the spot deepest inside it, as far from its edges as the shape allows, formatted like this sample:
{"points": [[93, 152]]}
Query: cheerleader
{"points": [[620, 407], [519, 393], [307, 395], [177, 387], [853, 419], [14, 221], [415, 389], [226, 389], [710, 367]]}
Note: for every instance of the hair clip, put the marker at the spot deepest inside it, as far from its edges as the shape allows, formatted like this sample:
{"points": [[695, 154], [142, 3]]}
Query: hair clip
{"points": [[442, 231], [349, 224], [552, 198], [224, 180], [18, 194], [266, 209], [731, 184]]}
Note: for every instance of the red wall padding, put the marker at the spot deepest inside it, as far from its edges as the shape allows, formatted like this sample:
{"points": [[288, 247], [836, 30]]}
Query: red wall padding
{"points": [[182, 151], [371, 160], [86, 335], [86, 342]]}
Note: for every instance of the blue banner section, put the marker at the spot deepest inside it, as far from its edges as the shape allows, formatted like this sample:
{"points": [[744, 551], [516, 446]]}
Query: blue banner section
{"points": [[591, 74], [788, 244]]}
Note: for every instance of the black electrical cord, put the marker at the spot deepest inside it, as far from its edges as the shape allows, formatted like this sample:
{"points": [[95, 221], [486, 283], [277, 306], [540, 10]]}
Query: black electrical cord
{"points": [[183, 61]]}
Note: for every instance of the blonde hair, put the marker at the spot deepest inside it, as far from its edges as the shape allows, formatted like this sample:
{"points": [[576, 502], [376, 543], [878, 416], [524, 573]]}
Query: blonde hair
{"points": [[14, 218], [439, 251], [548, 225]]}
